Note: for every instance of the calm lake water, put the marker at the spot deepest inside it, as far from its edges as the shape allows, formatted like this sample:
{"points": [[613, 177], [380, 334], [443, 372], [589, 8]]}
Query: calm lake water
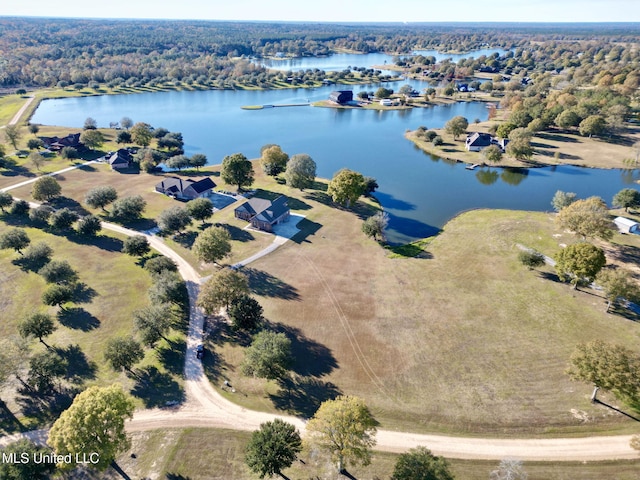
{"points": [[420, 192]]}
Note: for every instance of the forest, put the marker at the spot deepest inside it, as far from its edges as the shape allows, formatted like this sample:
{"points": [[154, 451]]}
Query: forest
{"points": [[40, 52]]}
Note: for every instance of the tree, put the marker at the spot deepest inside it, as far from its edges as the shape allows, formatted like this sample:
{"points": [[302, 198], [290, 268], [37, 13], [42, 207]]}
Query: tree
{"points": [[153, 322], [617, 284], [274, 160], [36, 256], [345, 428], [69, 153], [592, 125], [198, 160], [123, 137], [29, 470], [245, 313], [13, 134], [41, 214], [588, 218], [5, 201], [509, 469], [221, 290], [420, 464], [177, 162], [38, 325], [383, 92], [94, 423], [58, 271], [141, 134], [237, 170], [57, 295], [168, 287], [370, 186], [45, 188], [15, 238], [92, 139], [160, 264], [34, 143], [174, 220], [504, 129], [63, 219], [456, 126], [437, 141], [212, 244], [562, 199], [90, 124], [36, 160], [136, 246], [268, 356], [123, 353], [273, 448], [300, 172], [44, 369], [579, 263], [346, 187], [375, 225], [492, 153], [126, 123], [567, 119], [89, 225], [627, 198], [128, 209], [520, 149], [531, 259], [34, 128], [100, 197], [200, 209], [610, 367], [20, 207]]}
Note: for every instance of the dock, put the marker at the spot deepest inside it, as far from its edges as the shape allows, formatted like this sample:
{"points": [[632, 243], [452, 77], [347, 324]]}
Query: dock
{"points": [[472, 167]]}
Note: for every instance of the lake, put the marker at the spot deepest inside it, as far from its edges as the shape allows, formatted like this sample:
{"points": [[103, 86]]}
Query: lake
{"points": [[420, 192]]}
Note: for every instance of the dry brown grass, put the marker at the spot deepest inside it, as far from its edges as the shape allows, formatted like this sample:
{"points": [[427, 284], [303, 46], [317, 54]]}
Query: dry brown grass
{"points": [[467, 341]]}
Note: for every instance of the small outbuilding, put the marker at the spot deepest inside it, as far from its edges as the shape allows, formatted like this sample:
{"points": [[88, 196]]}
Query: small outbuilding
{"points": [[341, 96], [626, 225]]}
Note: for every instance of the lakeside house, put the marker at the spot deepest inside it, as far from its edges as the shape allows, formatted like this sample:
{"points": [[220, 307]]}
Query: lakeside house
{"points": [[626, 225], [385, 102], [56, 144], [341, 96], [264, 214], [186, 189], [478, 140], [120, 160]]}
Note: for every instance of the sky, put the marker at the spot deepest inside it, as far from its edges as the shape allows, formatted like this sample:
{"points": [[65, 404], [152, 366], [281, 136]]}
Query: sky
{"points": [[338, 10]]}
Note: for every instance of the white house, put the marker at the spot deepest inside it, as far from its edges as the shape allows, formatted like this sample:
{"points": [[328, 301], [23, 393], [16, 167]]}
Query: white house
{"points": [[385, 102], [626, 225]]}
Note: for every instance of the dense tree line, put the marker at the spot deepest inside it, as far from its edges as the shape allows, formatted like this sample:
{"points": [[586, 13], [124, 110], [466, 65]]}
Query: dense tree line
{"points": [[83, 52]]}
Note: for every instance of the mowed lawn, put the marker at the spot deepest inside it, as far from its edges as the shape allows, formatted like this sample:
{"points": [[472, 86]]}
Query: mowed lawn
{"points": [[104, 311], [464, 340], [211, 454]]}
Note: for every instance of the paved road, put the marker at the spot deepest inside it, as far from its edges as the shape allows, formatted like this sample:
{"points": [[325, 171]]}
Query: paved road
{"points": [[205, 407]]}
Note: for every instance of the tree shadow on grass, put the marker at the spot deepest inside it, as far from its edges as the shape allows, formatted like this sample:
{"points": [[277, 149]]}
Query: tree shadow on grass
{"points": [[176, 476], [12, 169], [103, 242], [303, 395], [310, 357], [29, 265], [551, 276], [9, 423], [70, 203], [307, 229], [155, 388], [83, 293], [78, 318], [171, 354], [266, 285], [186, 239], [220, 332], [45, 407], [239, 234], [79, 368], [213, 365], [624, 312]]}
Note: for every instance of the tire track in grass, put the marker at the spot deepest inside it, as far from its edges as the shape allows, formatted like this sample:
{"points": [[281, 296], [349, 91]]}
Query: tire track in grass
{"points": [[346, 325]]}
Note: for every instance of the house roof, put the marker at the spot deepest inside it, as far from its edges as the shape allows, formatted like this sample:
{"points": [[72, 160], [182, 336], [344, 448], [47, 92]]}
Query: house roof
{"points": [[627, 222], [177, 185], [478, 139], [278, 207], [120, 157], [265, 210]]}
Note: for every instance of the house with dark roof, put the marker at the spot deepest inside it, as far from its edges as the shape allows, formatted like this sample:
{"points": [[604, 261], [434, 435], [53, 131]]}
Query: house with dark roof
{"points": [[264, 214], [341, 96], [477, 141], [186, 189], [120, 160], [56, 144]]}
